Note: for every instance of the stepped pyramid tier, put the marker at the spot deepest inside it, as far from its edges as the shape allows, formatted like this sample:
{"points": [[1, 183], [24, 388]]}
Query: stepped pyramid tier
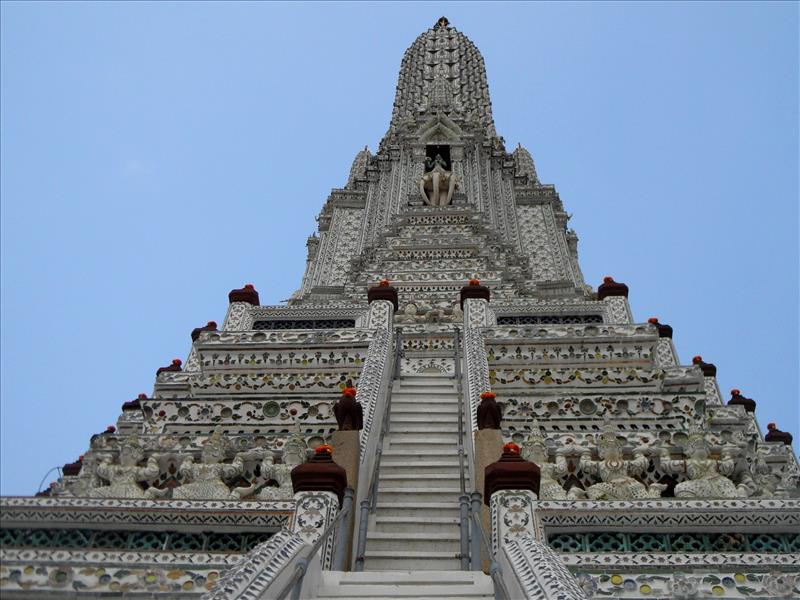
{"points": [[443, 409]]}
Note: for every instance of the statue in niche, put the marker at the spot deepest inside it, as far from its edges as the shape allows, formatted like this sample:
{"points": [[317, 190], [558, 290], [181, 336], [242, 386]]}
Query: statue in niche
{"points": [[206, 479], [707, 476], [534, 449], [124, 477], [615, 472], [294, 454], [437, 184]]}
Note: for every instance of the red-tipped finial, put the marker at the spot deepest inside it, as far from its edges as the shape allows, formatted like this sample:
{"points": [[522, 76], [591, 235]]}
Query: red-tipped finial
{"points": [[488, 394], [653, 320], [771, 426], [349, 392], [608, 279], [249, 286], [142, 396], [323, 449], [211, 324], [177, 362], [384, 283], [735, 392], [511, 448], [110, 429], [697, 359]]}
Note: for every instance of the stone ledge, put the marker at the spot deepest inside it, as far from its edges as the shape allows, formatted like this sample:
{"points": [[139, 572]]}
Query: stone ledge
{"points": [[214, 514], [665, 514]]}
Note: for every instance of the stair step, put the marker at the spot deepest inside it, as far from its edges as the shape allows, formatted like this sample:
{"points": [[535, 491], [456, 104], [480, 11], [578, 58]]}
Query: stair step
{"points": [[433, 590], [421, 467], [414, 595], [425, 428], [430, 379], [415, 495], [399, 408], [379, 560], [423, 391], [432, 437], [434, 481], [424, 454], [414, 542], [404, 578], [413, 448], [433, 394], [423, 417], [427, 524], [386, 508]]}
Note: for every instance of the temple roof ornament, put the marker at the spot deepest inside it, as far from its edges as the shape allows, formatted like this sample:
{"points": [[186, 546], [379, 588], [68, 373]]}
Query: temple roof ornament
{"points": [[443, 70]]}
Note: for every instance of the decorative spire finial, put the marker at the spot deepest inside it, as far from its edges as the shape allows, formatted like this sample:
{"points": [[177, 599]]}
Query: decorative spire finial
{"points": [[442, 22]]}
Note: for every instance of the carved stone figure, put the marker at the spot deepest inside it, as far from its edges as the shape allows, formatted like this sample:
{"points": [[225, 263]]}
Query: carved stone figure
{"points": [[437, 184], [758, 480], [206, 480], [534, 449], [707, 476], [124, 477], [294, 454], [615, 472]]}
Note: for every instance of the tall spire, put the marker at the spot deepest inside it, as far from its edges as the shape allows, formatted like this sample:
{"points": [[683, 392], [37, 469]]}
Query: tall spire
{"points": [[443, 71]]}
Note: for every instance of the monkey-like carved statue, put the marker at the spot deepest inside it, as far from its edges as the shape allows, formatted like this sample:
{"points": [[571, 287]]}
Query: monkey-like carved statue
{"points": [[707, 477], [616, 472], [126, 476], [534, 449]]}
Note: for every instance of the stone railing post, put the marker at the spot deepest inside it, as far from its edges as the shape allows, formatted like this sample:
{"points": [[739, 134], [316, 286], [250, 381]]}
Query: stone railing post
{"points": [[240, 300], [373, 379], [319, 489], [475, 305], [615, 295], [713, 396], [665, 354], [511, 487], [531, 569]]}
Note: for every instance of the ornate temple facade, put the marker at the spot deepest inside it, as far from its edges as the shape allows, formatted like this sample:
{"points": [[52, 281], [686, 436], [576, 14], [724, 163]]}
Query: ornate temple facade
{"points": [[443, 409]]}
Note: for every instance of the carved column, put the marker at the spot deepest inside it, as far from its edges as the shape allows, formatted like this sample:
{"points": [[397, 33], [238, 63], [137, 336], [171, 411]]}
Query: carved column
{"points": [[713, 396], [313, 514], [319, 487], [618, 310], [530, 568], [381, 315], [511, 488]]}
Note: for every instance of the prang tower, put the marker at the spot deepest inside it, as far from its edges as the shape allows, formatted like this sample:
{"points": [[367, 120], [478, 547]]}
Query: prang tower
{"points": [[443, 409]]}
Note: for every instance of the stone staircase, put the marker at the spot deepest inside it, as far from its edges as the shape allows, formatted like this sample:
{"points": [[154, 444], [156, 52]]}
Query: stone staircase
{"points": [[416, 522], [413, 536]]}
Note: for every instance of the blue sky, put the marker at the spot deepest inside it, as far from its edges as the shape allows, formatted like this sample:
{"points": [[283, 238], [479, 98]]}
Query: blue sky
{"points": [[156, 155]]}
